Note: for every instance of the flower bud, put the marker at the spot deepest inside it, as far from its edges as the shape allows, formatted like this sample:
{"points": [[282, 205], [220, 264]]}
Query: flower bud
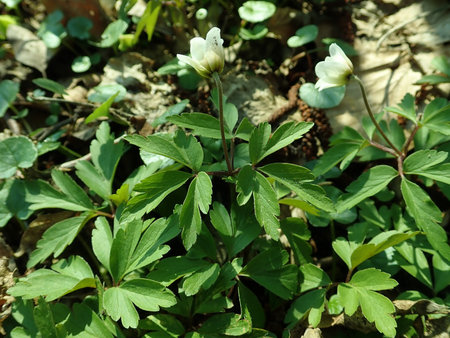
{"points": [[335, 71], [207, 55]]}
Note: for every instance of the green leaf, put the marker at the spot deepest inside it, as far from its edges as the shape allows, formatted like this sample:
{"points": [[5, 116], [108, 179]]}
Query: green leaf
{"points": [[112, 33], [256, 11], [427, 163], [270, 270], [433, 79], [423, 159], [56, 238], [220, 219], [176, 109], [441, 272], [368, 184], [203, 279], [264, 198], [246, 229], [378, 244], [198, 199], [245, 129], [155, 188], [440, 173], [295, 177], [312, 302], [102, 93], [303, 36], [336, 154], [42, 195], [312, 277], [102, 239], [66, 276], [442, 64], [122, 247], [261, 144], [170, 269], [258, 140], [406, 108], [83, 322], [119, 302], [51, 31], [8, 91], [105, 154], [50, 85], [102, 110], [229, 324], [180, 147], [70, 188], [257, 32], [324, 99], [79, 27], [435, 116], [148, 20], [427, 216], [166, 325], [43, 318], [413, 260], [375, 307], [251, 308], [201, 124], [17, 152], [298, 236]]}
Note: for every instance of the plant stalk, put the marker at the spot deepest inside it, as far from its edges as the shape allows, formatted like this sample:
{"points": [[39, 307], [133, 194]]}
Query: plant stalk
{"points": [[216, 78], [372, 117]]}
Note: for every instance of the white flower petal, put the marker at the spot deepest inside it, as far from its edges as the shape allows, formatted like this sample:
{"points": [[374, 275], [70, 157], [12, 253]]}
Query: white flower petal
{"points": [[338, 54], [198, 48], [207, 55], [335, 70], [214, 42]]}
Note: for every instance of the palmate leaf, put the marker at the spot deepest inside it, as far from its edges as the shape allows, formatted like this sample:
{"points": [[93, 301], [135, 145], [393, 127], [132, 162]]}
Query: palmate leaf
{"points": [[251, 182], [360, 291], [270, 269], [119, 302], [427, 216], [201, 124], [353, 254], [42, 195], [66, 276], [179, 147], [312, 302], [133, 247], [262, 144], [428, 163], [436, 116], [83, 322], [105, 155], [406, 108], [154, 189], [198, 199], [296, 178], [251, 308], [368, 184], [56, 238], [229, 324]]}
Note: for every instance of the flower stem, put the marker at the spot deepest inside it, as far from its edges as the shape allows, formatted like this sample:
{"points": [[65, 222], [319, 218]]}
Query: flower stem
{"points": [[216, 78], [372, 117]]}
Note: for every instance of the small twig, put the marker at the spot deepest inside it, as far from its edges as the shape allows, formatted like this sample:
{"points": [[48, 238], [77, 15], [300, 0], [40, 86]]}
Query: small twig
{"points": [[71, 164], [403, 24]]}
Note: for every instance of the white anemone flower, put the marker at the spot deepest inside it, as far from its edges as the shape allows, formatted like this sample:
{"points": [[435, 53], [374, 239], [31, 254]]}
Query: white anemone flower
{"points": [[207, 55], [335, 71]]}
